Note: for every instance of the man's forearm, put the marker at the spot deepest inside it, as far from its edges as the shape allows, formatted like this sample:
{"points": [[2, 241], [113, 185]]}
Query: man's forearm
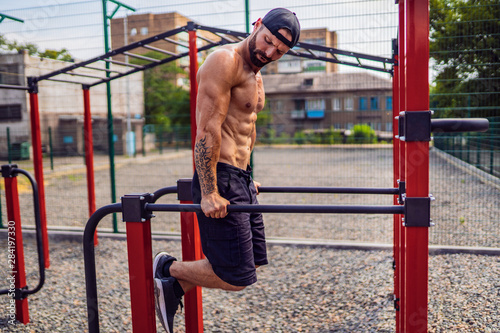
{"points": [[205, 166]]}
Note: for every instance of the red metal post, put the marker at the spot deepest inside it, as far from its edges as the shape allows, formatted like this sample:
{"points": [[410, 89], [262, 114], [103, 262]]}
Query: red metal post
{"points": [[89, 154], [36, 141], [417, 163], [400, 264], [16, 253], [190, 235], [193, 69], [191, 250], [140, 263], [396, 173]]}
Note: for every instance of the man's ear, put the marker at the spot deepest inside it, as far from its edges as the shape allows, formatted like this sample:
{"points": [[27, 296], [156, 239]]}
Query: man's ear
{"points": [[256, 24]]}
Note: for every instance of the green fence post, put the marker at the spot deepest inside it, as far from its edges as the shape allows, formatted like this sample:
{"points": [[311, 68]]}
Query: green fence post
{"points": [[51, 154], [9, 148]]}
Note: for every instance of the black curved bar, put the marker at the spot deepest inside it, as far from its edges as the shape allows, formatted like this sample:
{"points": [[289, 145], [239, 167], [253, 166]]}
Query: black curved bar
{"points": [[451, 125], [89, 259], [352, 190], [163, 191], [317, 209], [39, 239]]}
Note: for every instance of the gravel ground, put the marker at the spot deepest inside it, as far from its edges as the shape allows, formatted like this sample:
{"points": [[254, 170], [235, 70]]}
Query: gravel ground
{"points": [[304, 289]]}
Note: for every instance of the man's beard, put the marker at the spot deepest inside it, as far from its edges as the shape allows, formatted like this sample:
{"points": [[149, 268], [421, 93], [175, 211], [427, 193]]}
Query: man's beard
{"points": [[254, 51]]}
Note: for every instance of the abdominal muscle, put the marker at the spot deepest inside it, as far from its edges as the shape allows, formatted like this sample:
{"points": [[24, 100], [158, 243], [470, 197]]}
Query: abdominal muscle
{"points": [[237, 139]]}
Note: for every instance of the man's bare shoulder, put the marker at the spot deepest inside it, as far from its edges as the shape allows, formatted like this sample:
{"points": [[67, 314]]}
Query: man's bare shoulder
{"points": [[225, 62]]}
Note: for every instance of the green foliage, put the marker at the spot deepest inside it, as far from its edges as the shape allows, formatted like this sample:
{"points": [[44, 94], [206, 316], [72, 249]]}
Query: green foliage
{"points": [[33, 50], [362, 133], [166, 105], [464, 42]]}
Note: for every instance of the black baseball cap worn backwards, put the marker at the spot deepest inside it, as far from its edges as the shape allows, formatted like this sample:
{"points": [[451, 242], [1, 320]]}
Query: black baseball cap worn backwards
{"points": [[280, 18]]}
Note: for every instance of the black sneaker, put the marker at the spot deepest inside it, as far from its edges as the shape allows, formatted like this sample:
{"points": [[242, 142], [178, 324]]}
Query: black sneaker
{"points": [[161, 259], [166, 302]]}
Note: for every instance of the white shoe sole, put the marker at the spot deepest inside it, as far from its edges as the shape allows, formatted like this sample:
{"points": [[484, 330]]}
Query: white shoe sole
{"points": [[155, 263], [161, 311]]}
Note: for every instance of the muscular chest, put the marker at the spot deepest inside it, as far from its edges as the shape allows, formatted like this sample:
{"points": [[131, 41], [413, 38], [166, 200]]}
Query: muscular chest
{"points": [[249, 96]]}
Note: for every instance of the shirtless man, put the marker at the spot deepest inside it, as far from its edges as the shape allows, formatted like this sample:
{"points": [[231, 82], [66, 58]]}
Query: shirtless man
{"points": [[230, 94]]}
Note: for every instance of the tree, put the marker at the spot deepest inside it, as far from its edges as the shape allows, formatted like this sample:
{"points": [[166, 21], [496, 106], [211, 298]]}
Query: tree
{"points": [[464, 42], [33, 49], [166, 104]]}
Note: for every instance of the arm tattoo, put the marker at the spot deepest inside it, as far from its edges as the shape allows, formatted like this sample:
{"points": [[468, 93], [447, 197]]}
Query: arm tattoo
{"points": [[203, 161]]}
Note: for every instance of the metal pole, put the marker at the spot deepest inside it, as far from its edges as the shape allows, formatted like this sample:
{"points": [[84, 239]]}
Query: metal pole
{"points": [[417, 164], [51, 150], [9, 148], [38, 166], [400, 272], [140, 263], [15, 235], [89, 153], [190, 235], [111, 144], [396, 179]]}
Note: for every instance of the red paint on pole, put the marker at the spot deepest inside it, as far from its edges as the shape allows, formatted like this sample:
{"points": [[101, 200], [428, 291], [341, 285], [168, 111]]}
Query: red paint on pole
{"points": [[193, 69], [190, 234], [191, 251], [140, 263], [16, 253], [417, 164], [36, 142], [396, 178], [89, 154]]}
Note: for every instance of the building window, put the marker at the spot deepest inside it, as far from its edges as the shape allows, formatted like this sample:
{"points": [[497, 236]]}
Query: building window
{"points": [[133, 32], [308, 82], [374, 103], [144, 31], [388, 127], [349, 104], [336, 104], [10, 112], [363, 103], [9, 75], [388, 102], [315, 108]]}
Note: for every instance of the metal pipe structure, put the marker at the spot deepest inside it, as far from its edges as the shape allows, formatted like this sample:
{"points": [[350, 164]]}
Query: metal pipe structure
{"points": [[36, 142], [21, 291], [89, 153], [137, 211]]}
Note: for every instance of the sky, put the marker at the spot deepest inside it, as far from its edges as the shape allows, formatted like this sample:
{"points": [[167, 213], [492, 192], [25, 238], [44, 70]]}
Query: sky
{"points": [[365, 26]]}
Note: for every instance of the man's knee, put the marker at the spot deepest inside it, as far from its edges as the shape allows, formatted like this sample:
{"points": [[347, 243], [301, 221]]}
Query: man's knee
{"points": [[230, 287]]}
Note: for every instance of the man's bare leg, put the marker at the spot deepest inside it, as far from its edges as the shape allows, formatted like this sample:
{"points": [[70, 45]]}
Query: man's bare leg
{"points": [[198, 273]]}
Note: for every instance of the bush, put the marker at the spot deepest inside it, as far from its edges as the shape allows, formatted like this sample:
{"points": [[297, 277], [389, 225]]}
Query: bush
{"points": [[362, 133]]}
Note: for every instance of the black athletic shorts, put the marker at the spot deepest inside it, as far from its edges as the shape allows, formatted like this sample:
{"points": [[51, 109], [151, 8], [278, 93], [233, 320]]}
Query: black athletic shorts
{"points": [[235, 244]]}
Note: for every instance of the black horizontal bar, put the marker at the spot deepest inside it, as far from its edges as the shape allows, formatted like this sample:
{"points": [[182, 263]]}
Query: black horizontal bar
{"points": [[350, 190], [450, 125], [316, 209], [11, 86]]}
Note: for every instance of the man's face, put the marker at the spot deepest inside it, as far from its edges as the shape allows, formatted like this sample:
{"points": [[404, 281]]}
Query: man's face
{"points": [[264, 47]]}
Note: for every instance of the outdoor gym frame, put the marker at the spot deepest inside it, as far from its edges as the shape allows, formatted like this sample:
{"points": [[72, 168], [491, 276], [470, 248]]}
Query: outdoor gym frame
{"points": [[412, 130]]}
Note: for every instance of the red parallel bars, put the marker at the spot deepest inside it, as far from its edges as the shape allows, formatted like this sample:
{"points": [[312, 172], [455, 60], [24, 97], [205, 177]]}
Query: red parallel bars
{"points": [[190, 235], [16, 259], [416, 91], [89, 153], [36, 142]]}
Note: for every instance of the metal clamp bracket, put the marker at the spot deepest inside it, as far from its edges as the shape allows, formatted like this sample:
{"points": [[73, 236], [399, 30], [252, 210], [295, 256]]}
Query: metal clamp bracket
{"points": [[417, 212], [402, 192], [9, 170], [134, 207], [184, 189], [414, 126]]}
